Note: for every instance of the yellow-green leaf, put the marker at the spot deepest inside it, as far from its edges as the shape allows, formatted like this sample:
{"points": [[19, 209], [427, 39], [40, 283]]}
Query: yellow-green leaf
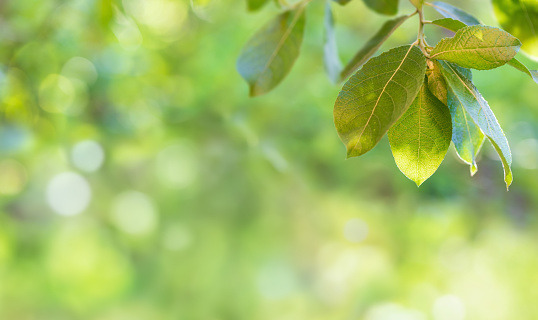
{"points": [[478, 47], [480, 113], [420, 139], [417, 3], [269, 55], [375, 97]]}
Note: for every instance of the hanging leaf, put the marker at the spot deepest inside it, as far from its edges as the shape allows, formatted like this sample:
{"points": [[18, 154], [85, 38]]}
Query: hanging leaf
{"points": [[520, 18], [387, 7], [375, 97], [521, 67], [480, 113], [371, 47], [269, 55], [420, 139], [331, 59], [477, 47], [449, 11]]}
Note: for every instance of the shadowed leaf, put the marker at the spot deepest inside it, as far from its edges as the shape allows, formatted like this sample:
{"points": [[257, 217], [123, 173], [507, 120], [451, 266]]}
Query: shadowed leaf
{"points": [[449, 11]]}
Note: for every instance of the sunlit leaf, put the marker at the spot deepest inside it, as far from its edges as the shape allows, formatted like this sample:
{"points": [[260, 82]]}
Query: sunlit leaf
{"points": [[375, 97], [477, 47], [520, 18], [269, 55], [466, 94], [331, 60], [449, 11], [387, 7], [420, 139], [450, 24], [371, 47]]}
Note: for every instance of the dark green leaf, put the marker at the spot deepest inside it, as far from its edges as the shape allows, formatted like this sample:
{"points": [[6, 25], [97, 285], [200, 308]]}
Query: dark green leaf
{"points": [[371, 47], [420, 139], [521, 67], [254, 5], [331, 60], [466, 94], [477, 47], [449, 11], [450, 24], [520, 18], [375, 97], [269, 55], [387, 7]]}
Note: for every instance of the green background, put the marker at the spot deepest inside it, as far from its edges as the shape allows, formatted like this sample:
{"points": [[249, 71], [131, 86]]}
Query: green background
{"points": [[210, 205]]}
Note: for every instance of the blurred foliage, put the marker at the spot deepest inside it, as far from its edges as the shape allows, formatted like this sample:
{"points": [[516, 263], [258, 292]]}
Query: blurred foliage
{"points": [[138, 181]]}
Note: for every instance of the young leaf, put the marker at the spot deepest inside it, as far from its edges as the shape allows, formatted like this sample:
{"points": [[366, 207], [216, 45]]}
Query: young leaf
{"points": [[254, 5], [375, 97], [420, 139], [269, 55], [387, 7], [480, 113], [417, 3], [477, 47], [372, 46], [333, 66], [521, 67], [449, 11], [450, 24], [520, 17]]}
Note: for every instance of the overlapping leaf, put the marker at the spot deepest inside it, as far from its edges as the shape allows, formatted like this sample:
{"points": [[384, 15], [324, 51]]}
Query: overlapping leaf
{"points": [[450, 24], [372, 46], [331, 60], [449, 11], [387, 7], [420, 139], [374, 98], [520, 18], [478, 47], [269, 55], [480, 113]]}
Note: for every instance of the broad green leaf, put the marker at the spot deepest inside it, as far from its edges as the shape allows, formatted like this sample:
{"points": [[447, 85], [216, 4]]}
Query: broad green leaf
{"points": [[331, 60], [450, 24], [521, 67], [449, 11], [477, 47], [375, 97], [465, 93], [269, 55], [520, 18], [371, 47], [387, 7], [420, 139], [254, 5], [417, 3]]}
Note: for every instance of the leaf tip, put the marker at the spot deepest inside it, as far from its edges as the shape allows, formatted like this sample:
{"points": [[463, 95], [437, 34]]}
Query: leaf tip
{"points": [[474, 169]]}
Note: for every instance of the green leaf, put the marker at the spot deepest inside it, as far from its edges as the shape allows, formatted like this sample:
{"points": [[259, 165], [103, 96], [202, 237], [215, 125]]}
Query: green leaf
{"points": [[371, 47], [477, 47], [375, 97], [436, 81], [449, 11], [254, 5], [269, 55], [331, 60], [465, 93], [420, 139], [521, 67], [450, 24], [387, 7], [520, 18], [417, 3]]}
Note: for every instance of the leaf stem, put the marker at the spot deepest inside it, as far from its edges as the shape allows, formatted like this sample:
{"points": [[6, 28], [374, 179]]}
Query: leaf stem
{"points": [[422, 44]]}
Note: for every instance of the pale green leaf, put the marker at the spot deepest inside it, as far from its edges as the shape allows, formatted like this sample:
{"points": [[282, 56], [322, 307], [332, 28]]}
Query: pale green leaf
{"points": [[521, 67], [269, 55], [449, 11], [420, 139], [331, 60], [480, 113], [371, 47], [254, 5], [417, 3], [387, 7], [450, 24], [478, 47], [375, 97], [520, 18]]}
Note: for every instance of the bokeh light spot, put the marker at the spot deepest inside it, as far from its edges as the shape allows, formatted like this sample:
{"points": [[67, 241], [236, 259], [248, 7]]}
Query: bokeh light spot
{"points": [[87, 155], [68, 193], [355, 230], [448, 307], [134, 213]]}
